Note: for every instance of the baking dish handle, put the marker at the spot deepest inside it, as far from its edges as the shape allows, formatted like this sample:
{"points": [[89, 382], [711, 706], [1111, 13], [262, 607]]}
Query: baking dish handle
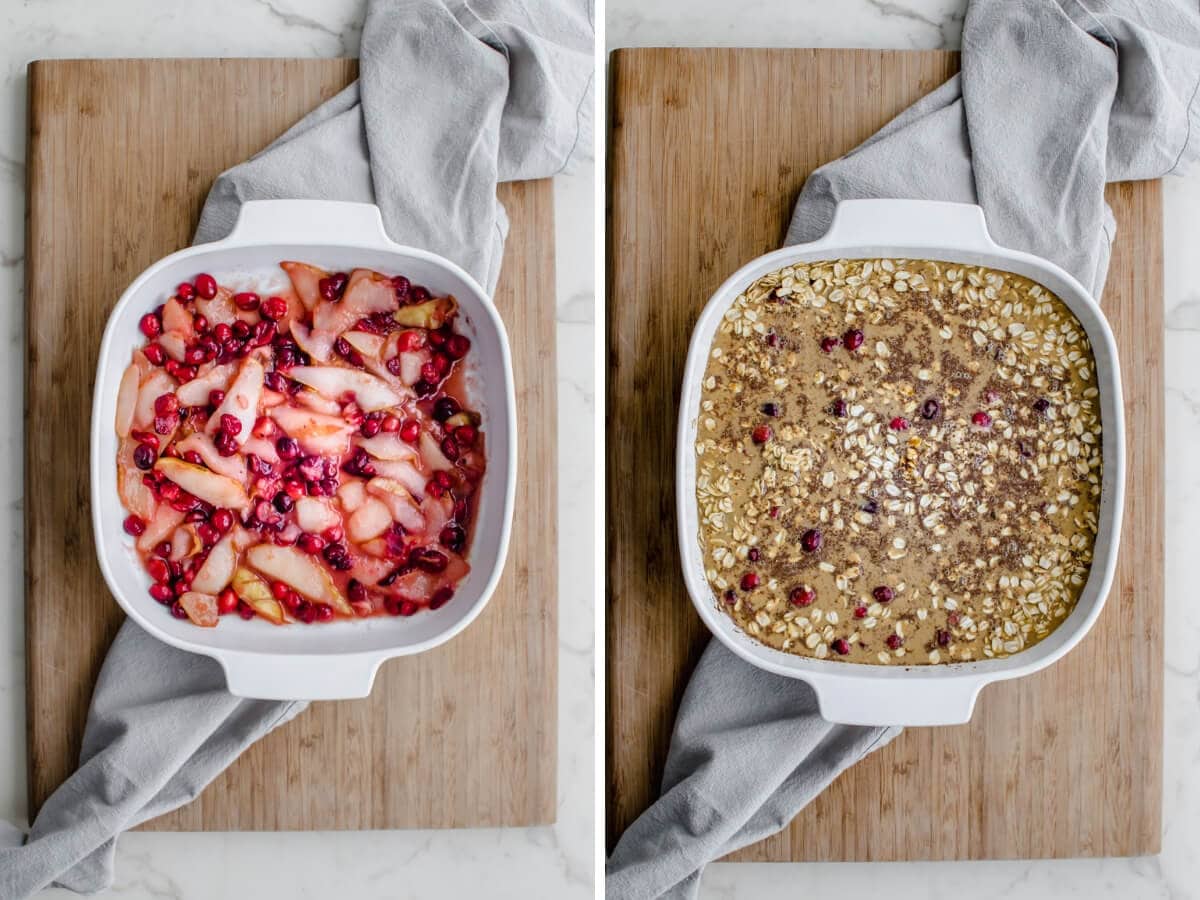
{"points": [[309, 222], [897, 700], [299, 677], [889, 223]]}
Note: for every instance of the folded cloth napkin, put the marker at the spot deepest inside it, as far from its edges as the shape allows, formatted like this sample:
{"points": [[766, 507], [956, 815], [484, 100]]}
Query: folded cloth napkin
{"points": [[452, 98], [1055, 98]]}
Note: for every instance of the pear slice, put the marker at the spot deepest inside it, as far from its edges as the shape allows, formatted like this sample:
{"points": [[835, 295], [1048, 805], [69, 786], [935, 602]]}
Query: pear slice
{"points": [[152, 388], [316, 432], [220, 309], [201, 608], [196, 391], [177, 320], [315, 515], [162, 526], [432, 454], [400, 503], [370, 520], [366, 293], [241, 400], [299, 571], [200, 482], [388, 446], [218, 568], [127, 395], [257, 594], [262, 448], [230, 466], [405, 472], [317, 344], [431, 314], [411, 362], [352, 494], [335, 382], [318, 402], [368, 345], [306, 281]]}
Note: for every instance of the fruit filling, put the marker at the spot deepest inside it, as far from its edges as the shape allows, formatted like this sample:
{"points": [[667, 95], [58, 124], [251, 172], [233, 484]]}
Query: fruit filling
{"points": [[898, 461], [304, 455]]}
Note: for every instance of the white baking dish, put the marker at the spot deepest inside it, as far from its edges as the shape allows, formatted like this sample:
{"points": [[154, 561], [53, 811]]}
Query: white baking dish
{"points": [[914, 695], [335, 660]]}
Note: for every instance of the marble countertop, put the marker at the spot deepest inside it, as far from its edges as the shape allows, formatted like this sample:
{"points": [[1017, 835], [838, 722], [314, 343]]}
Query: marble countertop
{"points": [[937, 24], [513, 863]]}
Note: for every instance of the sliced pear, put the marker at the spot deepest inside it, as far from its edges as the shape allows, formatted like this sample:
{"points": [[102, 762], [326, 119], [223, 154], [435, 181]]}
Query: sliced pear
{"points": [[218, 568], [316, 432], [411, 362], [437, 512], [220, 309], [366, 293], [162, 526], [371, 569], [306, 281], [174, 345], [369, 346], [370, 520], [201, 608], [432, 454], [152, 388], [352, 494], [196, 391], [335, 382], [261, 448], [318, 402], [431, 314], [184, 542], [404, 472], [417, 585], [230, 466], [317, 344], [135, 495], [257, 594], [400, 503], [177, 320], [299, 571], [241, 400], [200, 482], [127, 395], [314, 514], [388, 446]]}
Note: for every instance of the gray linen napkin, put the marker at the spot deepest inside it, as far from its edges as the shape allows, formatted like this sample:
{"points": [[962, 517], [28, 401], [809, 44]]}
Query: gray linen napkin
{"points": [[1055, 98], [452, 99]]}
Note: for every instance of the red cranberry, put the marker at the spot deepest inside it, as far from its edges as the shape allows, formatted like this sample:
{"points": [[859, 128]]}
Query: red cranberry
{"points": [[840, 646], [241, 330], [162, 592], [280, 589], [894, 641], [770, 409], [930, 408], [424, 388], [420, 294], [227, 601], [772, 339], [222, 520], [194, 458], [158, 570], [774, 512], [264, 332], [453, 537], [274, 308], [883, 594], [753, 554], [981, 419], [231, 424], [184, 291], [840, 408], [441, 597], [761, 434], [247, 301], [390, 424], [802, 596], [208, 534], [852, 339], [1041, 405], [430, 560], [201, 324], [749, 581], [730, 597], [457, 346], [450, 448], [990, 397], [401, 286], [194, 356], [324, 611], [445, 407], [405, 608], [206, 286], [226, 443], [134, 525], [465, 435], [811, 540], [331, 288], [155, 354], [245, 610], [410, 431], [943, 637], [163, 549], [828, 344], [222, 332], [410, 340], [144, 456], [287, 448], [899, 423], [311, 544], [860, 612], [164, 425], [166, 405], [333, 534], [150, 326]]}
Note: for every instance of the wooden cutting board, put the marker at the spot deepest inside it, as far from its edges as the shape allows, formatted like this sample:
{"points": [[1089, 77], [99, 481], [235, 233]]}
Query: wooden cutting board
{"points": [[709, 149], [121, 156]]}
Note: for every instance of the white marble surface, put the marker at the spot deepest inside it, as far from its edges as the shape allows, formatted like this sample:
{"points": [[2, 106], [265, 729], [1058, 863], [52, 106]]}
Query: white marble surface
{"points": [[1175, 874], [509, 863]]}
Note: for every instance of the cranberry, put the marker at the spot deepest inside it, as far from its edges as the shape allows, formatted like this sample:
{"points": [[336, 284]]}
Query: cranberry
{"points": [[883, 594], [311, 544], [226, 443], [420, 294], [222, 332], [158, 570], [231, 424], [371, 427], [163, 549], [445, 407], [840, 408], [274, 308], [450, 448], [429, 374], [208, 534], [324, 611], [206, 286], [155, 354], [287, 448], [753, 554], [404, 608], [245, 610], [295, 488], [227, 601], [749, 581], [465, 435], [430, 560], [811, 540], [150, 326], [216, 398], [144, 456], [981, 419], [331, 288], [241, 330], [840, 646], [134, 525], [184, 291], [930, 408], [390, 424], [410, 340], [441, 597], [453, 537], [401, 286], [194, 458], [247, 301], [164, 425], [166, 405], [457, 346], [162, 592], [222, 520], [802, 596], [761, 434], [828, 344], [943, 637], [990, 397], [852, 339], [770, 409], [264, 332], [332, 534], [280, 589], [1041, 405], [194, 356], [870, 506], [894, 641], [899, 423], [772, 339], [424, 388], [338, 557], [730, 597], [410, 431], [201, 323], [774, 512], [860, 612], [440, 364]]}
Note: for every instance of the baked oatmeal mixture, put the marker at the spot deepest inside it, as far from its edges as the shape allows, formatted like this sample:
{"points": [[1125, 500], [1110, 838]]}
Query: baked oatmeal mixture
{"points": [[898, 461]]}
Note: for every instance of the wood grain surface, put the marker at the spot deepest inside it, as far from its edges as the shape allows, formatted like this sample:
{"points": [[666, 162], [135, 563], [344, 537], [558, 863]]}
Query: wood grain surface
{"points": [[121, 156], [709, 149]]}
